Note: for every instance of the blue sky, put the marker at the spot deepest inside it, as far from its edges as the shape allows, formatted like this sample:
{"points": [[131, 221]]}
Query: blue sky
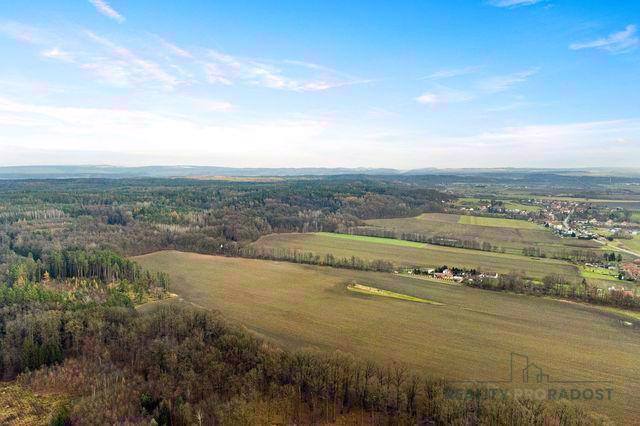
{"points": [[403, 84]]}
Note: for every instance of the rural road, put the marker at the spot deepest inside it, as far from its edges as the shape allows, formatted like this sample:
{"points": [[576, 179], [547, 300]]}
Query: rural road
{"points": [[633, 253]]}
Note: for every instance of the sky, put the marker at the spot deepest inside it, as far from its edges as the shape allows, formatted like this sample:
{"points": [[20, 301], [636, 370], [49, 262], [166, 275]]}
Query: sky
{"points": [[331, 83]]}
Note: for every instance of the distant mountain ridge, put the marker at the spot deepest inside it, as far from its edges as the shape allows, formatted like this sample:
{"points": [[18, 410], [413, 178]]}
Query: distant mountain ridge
{"points": [[104, 171]]}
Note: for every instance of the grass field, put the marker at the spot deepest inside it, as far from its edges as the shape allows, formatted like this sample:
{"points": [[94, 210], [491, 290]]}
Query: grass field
{"points": [[599, 273], [378, 240], [512, 205], [497, 222], [632, 244], [373, 248], [499, 232], [471, 336], [373, 291]]}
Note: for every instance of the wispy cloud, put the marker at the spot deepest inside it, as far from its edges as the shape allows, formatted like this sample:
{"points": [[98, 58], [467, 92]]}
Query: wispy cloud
{"points": [[502, 83], [488, 86], [174, 49], [215, 75], [568, 136], [58, 54], [126, 64], [167, 65], [453, 72], [444, 95], [103, 7], [513, 3], [133, 131], [225, 69], [23, 33], [619, 42]]}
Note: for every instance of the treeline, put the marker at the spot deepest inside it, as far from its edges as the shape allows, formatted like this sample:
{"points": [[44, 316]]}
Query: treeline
{"points": [[471, 244], [578, 255], [182, 366], [555, 285], [309, 258], [102, 265]]}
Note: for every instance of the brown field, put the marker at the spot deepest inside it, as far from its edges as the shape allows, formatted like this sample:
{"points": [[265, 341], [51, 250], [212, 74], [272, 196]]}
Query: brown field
{"points": [[471, 336], [500, 232]]}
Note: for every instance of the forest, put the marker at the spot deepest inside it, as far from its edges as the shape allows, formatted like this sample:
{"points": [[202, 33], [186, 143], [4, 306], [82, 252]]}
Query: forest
{"points": [[80, 319], [135, 216]]}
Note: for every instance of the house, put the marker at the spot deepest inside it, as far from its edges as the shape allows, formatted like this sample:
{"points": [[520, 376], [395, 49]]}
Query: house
{"points": [[631, 270], [444, 275], [489, 275]]}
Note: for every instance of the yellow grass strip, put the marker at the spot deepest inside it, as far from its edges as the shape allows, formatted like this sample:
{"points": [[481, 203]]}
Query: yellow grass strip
{"points": [[363, 289]]}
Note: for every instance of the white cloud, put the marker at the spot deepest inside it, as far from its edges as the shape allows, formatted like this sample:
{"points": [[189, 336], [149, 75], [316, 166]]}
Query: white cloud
{"points": [[119, 66], [444, 95], [23, 33], [513, 3], [450, 73], [103, 7], [126, 67], [93, 135], [50, 127], [230, 68], [215, 75], [175, 50], [619, 42], [505, 82], [488, 86], [217, 106], [58, 54], [428, 99]]}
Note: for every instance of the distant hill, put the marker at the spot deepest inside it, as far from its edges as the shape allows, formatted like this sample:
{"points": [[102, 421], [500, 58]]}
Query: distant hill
{"points": [[102, 171], [89, 171]]}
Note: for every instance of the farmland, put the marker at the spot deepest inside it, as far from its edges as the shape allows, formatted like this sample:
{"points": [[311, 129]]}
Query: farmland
{"points": [[599, 273], [416, 254], [632, 244], [497, 222], [511, 235], [470, 336]]}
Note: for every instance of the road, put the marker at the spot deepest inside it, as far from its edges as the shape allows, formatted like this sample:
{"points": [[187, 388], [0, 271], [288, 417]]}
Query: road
{"points": [[604, 243]]}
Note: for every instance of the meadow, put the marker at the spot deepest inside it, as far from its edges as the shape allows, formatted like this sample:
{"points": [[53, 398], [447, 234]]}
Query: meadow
{"points": [[632, 244], [470, 336], [497, 222], [512, 205], [406, 253], [511, 235]]}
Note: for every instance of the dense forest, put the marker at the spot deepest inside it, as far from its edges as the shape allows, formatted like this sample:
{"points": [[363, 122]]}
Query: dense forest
{"points": [[133, 216]]}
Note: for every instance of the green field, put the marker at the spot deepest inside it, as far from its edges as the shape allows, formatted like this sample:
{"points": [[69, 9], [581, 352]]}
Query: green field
{"points": [[632, 244], [511, 235], [378, 240], [372, 248], [471, 336], [512, 205], [497, 222], [599, 273]]}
